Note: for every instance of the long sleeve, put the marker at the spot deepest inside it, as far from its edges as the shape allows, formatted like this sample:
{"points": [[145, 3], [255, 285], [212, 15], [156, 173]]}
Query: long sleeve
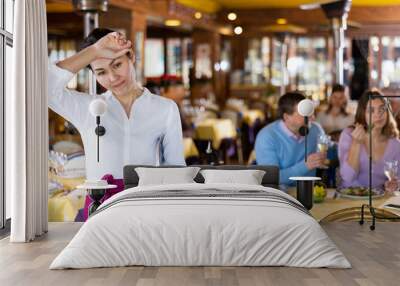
{"points": [[172, 144], [70, 104], [266, 154], [347, 173]]}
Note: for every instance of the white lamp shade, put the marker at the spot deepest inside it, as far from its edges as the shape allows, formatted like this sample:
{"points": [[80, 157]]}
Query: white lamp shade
{"points": [[305, 107], [98, 107]]}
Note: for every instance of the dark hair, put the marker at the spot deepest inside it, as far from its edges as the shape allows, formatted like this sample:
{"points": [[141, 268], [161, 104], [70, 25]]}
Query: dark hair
{"points": [[288, 102], [343, 109], [390, 129], [93, 37], [338, 88]]}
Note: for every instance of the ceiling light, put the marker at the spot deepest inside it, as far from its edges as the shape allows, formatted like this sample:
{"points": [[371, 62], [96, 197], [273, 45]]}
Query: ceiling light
{"points": [[232, 16], [172, 22], [281, 21], [198, 15], [238, 30]]}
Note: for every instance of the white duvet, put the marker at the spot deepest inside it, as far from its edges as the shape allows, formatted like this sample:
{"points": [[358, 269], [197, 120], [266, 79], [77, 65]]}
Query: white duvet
{"points": [[204, 231]]}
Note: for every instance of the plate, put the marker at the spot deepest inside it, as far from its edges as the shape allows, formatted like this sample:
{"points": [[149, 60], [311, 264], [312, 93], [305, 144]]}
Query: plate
{"points": [[360, 193], [305, 178]]}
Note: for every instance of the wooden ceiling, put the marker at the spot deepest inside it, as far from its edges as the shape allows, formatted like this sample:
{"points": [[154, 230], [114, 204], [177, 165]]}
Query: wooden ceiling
{"points": [[255, 15], [55, 6], [212, 6]]}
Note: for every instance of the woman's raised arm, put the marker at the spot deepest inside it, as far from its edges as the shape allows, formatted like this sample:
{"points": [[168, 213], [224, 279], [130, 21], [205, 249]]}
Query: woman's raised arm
{"points": [[111, 46]]}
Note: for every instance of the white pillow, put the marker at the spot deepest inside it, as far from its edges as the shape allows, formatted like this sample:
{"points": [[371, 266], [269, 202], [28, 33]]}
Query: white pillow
{"points": [[248, 177], [163, 176]]}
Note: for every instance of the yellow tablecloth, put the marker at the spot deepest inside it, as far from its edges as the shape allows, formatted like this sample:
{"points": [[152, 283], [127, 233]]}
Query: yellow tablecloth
{"points": [[64, 204], [190, 149], [332, 204], [215, 130], [250, 116]]}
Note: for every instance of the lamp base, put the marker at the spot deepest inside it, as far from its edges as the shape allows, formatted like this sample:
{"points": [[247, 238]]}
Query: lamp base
{"points": [[305, 190], [96, 195], [305, 193], [374, 216]]}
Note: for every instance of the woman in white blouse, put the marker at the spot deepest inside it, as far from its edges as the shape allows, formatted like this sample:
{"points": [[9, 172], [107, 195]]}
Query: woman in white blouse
{"points": [[136, 121], [141, 128], [336, 117]]}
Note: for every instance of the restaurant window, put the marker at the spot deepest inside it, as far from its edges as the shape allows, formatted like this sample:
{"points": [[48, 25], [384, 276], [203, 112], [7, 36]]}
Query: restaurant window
{"points": [[59, 49], [253, 64], [374, 43], [310, 66], [154, 58], [174, 56], [390, 62], [6, 46], [266, 57], [187, 60], [276, 65]]}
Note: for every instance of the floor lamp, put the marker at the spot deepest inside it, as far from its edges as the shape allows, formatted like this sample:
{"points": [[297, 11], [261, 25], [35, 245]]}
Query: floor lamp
{"points": [[369, 205], [305, 185]]}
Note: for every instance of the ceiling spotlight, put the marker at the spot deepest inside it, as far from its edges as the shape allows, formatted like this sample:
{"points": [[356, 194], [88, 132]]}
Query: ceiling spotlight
{"points": [[198, 15], [238, 30], [232, 16], [172, 22], [281, 21]]}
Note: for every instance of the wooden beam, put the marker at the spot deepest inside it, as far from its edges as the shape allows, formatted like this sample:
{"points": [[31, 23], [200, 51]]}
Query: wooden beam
{"points": [[164, 9], [363, 15]]}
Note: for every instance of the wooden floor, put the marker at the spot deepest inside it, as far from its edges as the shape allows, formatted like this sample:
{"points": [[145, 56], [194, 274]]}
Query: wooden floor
{"points": [[375, 257]]}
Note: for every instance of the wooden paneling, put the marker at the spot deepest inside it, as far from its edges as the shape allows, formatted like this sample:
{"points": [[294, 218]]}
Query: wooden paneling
{"points": [[215, 5], [372, 20], [116, 18], [68, 25]]}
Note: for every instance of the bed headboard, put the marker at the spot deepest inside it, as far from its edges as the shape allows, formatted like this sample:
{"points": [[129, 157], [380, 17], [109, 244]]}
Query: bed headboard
{"points": [[270, 179]]}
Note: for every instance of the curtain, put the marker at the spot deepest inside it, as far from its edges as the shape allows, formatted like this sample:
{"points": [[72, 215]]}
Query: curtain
{"points": [[27, 123]]}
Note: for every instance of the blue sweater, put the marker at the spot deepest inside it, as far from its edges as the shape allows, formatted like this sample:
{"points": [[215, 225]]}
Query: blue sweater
{"points": [[274, 147]]}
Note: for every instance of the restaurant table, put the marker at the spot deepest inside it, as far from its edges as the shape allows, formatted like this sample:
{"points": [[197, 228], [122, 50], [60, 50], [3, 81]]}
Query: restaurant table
{"points": [[64, 204], [252, 115], [215, 130], [334, 203], [190, 149]]}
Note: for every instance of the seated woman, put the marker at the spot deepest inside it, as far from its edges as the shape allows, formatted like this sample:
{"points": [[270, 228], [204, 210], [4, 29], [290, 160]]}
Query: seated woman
{"points": [[336, 117], [354, 145], [141, 128]]}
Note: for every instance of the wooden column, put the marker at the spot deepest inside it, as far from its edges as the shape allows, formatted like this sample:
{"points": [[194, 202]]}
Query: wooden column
{"points": [[138, 37], [213, 39]]}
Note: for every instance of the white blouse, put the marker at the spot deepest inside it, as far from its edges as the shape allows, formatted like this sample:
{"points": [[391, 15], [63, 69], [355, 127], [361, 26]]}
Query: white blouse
{"points": [[151, 135]]}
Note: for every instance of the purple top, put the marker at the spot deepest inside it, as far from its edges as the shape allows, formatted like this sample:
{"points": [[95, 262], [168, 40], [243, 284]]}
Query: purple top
{"points": [[361, 179]]}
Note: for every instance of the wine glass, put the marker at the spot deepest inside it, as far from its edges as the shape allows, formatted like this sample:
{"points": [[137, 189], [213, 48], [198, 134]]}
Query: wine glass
{"points": [[323, 144], [391, 168], [57, 161]]}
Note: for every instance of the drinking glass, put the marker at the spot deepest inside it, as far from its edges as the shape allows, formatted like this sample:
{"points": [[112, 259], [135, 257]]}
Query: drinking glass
{"points": [[390, 170], [323, 143]]}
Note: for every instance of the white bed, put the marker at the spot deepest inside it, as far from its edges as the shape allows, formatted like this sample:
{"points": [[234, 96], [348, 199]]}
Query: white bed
{"points": [[225, 225]]}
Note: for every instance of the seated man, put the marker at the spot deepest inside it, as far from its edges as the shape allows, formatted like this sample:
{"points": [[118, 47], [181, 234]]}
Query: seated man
{"points": [[281, 144]]}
